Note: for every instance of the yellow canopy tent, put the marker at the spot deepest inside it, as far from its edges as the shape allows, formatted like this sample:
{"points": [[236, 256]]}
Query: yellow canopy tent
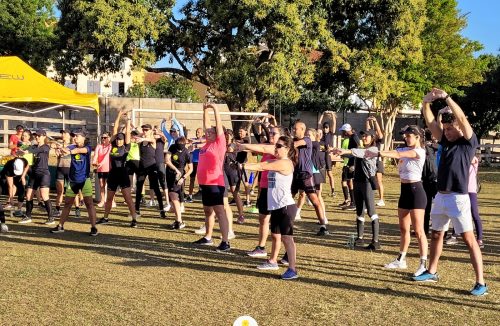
{"points": [[21, 83]]}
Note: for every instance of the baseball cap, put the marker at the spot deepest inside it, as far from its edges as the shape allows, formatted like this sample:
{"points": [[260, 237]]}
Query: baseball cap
{"points": [[146, 126], [326, 124], [346, 127], [18, 166], [81, 132], [370, 132], [40, 132], [120, 135], [410, 130]]}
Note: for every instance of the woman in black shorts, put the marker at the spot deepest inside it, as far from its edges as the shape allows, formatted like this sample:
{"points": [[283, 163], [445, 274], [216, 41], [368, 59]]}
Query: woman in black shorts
{"points": [[118, 173], [39, 177]]}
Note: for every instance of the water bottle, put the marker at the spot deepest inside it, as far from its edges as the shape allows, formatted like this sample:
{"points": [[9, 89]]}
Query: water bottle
{"points": [[250, 180], [351, 241]]}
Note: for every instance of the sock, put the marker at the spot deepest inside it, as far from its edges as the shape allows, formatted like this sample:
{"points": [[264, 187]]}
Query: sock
{"points": [[29, 208], [345, 190], [351, 194], [48, 208], [360, 226], [423, 260], [402, 256], [375, 229]]}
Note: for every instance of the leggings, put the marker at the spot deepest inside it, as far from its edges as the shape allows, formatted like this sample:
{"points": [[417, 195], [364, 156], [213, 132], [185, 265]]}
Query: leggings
{"points": [[363, 197], [474, 208], [152, 173], [2, 214], [430, 191]]}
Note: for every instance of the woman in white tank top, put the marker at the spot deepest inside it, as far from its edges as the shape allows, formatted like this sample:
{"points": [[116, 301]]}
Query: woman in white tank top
{"points": [[281, 204]]}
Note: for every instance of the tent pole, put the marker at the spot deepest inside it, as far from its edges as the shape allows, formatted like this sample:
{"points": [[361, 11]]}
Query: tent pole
{"points": [[64, 119]]}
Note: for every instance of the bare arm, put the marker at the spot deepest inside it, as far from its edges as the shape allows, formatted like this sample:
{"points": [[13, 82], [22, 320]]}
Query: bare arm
{"points": [[257, 148], [431, 122], [461, 118], [380, 133], [397, 154], [282, 166], [218, 121]]}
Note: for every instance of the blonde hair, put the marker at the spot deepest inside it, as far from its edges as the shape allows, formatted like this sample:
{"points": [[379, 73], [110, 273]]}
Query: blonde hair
{"points": [[312, 133]]}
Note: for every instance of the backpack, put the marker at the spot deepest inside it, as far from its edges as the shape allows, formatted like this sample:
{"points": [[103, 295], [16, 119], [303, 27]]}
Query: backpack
{"points": [[429, 172]]}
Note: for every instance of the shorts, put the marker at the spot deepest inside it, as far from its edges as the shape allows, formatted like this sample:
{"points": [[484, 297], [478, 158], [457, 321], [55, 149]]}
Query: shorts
{"points": [[262, 202], [412, 196], [347, 174], [172, 185], [319, 178], [132, 167], [102, 175], [118, 177], [212, 195], [454, 207], [39, 181], [74, 188], [380, 167], [306, 185], [328, 162], [282, 220], [62, 173], [195, 169], [232, 178]]}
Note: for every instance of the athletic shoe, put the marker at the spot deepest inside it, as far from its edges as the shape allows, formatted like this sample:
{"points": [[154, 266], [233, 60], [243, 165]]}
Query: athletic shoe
{"points": [[397, 264], [103, 221], [345, 203], [359, 242], [480, 244], [247, 203], [333, 194], [426, 277], [177, 225], [78, 213], [55, 213], [290, 274], [231, 235], [18, 213], [252, 193], [133, 224], [50, 221], [253, 210], [421, 269], [101, 204], [163, 214], [166, 208], [152, 203], [241, 219], [297, 215], [138, 213], [232, 202], [373, 246], [223, 247], [284, 261], [7, 206], [257, 252], [4, 228], [479, 289], [201, 230], [57, 229], [25, 220], [380, 203], [323, 231], [93, 232], [349, 208], [41, 205], [268, 266], [452, 240], [189, 199], [204, 242]]}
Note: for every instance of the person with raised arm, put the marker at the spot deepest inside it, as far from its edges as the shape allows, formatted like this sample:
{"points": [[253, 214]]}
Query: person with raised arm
{"points": [[372, 124], [211, 178], [327, 144], [452, 202]]}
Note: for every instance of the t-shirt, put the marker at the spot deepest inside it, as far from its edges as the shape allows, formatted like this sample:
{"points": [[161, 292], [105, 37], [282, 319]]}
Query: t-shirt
{"points": [[316, 156], [195, 154], [160, 151], [179, 158], [79, 170], [456, 157], [134, 153], [101, 155], [210, 165], [8, 168], [263, 175], [148, 155], [354, 142], [411, 168], [364, 168], [305, 157], [40, 159], [15, 140], [118, 156], [229, 167], [241, 157]]}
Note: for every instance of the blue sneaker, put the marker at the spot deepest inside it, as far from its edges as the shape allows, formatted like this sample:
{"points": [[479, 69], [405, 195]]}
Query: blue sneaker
{"points": [[290, 274], [426, 277], [479, 289]]}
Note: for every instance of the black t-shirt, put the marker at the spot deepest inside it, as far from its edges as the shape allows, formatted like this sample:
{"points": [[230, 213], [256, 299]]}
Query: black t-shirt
{"points": [[316, 155], [179, 158], [118, 156], [160, 151], [354, 142], [8, 168], [229, 167], [40, 159], [456, 158], [305, 163], [241, 157], [147, 155]]}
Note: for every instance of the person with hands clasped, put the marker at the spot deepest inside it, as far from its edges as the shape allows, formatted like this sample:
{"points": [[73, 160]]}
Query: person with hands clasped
{"points": [[327, 144], [100, 162], [452, 202], [372, 124]]}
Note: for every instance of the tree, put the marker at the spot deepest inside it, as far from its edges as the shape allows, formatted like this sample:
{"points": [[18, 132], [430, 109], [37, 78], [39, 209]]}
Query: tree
{"points": [[481, 101], [27, 31], [167, 87], [96, 35], [249, 50]]}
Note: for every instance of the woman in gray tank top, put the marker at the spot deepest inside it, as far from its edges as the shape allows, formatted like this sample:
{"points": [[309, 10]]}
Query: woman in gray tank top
{"points": [[281, 204]]}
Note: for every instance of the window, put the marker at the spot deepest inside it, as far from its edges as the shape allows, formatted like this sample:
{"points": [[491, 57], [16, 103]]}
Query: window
{"points": [[118, 88], [93, 87], [69, 84]]}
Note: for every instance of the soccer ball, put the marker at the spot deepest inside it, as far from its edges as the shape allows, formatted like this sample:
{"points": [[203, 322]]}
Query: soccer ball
{"points": [[4, 228]]}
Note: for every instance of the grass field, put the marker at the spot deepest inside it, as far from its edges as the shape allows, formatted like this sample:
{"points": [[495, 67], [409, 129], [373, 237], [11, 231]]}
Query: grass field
{"points": [[154, 276]]}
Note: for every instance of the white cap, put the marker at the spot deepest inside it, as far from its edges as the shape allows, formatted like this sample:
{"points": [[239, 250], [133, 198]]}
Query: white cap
{"points": [[346, 127], [18, 166]]}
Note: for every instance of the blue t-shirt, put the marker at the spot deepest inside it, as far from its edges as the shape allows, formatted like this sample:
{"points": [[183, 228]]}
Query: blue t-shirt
{"points": [[79, 169], [305, 164]]}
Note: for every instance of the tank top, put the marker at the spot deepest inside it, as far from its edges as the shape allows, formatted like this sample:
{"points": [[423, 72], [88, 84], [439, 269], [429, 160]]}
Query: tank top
{"points": [[264, 174], [134, 154], [279, 193], [411, 168], [147, 155]]}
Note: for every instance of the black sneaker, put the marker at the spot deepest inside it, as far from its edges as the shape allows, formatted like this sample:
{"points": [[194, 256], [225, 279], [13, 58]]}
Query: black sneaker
{"points": [[349, 208], [323, 231], [57, 229], [359, 242], [103, 221], [204, 242], [344, 204], [373, 246], [93, 231], [223, 247], [189, 199], [232, 202], [178, 225], [133, 224], [247, 203]]}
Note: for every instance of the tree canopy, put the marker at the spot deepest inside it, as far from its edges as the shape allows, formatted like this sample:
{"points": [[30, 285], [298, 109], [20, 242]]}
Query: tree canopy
{"points": [[169, 86]]}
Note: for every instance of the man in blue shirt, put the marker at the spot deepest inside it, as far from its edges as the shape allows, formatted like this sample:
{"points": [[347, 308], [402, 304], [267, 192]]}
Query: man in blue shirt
{"points": [[79, 180]]}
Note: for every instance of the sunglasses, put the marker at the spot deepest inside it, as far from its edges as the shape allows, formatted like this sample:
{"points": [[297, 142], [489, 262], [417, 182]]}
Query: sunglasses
{"points": [[173, 130], [278, 145], [326, 127], [145, 129]]}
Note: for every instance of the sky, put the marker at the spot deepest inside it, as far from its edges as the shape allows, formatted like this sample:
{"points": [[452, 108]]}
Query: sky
{"points": [[483, 25]]}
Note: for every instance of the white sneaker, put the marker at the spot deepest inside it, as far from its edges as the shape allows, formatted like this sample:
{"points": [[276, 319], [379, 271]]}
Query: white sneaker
{"points": [[297, 216], [380, 203], [4, 228], [230, 235], [167, 208], [201, 230], [399, 264], [421, 269]]}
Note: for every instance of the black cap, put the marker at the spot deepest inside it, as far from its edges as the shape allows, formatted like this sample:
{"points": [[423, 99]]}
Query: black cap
{"points": [[410, 130], [370, 132], [64, 131], [134, 133], [326, 124], [40, 132], [80, 131], [120, 135], [19, 127], [146, 126]]}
